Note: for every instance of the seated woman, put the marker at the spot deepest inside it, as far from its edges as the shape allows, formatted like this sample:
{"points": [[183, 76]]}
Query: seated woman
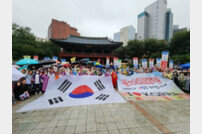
{"points": [[21, 90]]}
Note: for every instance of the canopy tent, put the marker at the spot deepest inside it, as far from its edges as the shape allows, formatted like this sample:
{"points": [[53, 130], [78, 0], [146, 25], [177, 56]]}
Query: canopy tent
{"points": [[185, 66], [16, 75]]}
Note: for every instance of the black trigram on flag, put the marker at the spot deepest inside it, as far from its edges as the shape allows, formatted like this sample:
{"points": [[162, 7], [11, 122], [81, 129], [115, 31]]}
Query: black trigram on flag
{"points": [[102, 97], [65, 85], [99, 85], [55, 100]]}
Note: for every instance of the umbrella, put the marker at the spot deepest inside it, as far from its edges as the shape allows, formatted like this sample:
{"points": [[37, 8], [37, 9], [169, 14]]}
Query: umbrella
{"points": [[90, 62], [16, 75], [47, 66], [66, 65], [59, 66], [97, 63], [23, 67], [185, 66], [84, 60], [47, 61], [99, 66], [27, 62]]}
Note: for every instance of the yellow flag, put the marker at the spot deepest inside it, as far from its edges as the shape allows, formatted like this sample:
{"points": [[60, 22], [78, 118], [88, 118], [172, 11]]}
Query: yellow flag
{"points": [[26, 56], [73, 59]]}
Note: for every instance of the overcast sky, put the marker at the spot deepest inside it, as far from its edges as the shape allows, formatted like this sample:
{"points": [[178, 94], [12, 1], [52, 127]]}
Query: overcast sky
{"points": [[91, 17]]}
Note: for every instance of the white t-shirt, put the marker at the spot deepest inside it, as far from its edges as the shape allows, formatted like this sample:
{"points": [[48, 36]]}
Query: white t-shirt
{"points": [[37, 79]]}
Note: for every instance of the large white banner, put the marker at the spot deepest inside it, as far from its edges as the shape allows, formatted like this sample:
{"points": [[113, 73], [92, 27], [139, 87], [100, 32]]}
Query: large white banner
{"points": [[152, 86], [145, 83], [76, 90]]}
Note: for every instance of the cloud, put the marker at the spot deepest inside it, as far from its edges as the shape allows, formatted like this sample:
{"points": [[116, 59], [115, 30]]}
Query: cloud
{"points": [[90, 17]]}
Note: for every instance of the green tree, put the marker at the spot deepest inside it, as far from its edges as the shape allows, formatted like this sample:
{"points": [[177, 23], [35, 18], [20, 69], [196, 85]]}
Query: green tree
{"points": [[180, 43], [23, 43], [22, 35], [135, 48]]}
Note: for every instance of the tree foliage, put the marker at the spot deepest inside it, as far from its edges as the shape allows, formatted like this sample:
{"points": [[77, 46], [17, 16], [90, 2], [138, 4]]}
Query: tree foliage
{"points": [[180, 43], [179, 48], [150, 48], [23, 43]]}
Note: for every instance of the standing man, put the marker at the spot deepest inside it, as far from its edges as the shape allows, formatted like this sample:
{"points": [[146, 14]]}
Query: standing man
{"points": [[114, 78]]}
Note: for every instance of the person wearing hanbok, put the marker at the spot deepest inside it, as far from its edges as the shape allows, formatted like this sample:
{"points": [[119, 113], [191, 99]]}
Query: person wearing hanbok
{"points": [[107, 74], [92, 73], [45, 81], [114, 78], [63, 72], [81, 72]]}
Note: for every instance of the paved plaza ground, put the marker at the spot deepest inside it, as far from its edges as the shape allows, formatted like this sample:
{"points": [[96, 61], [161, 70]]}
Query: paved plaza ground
{"points": [[140, 117]]}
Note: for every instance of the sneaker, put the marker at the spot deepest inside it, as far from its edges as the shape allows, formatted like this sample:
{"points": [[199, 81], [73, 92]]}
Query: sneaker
{"points": [[40, 92], [35, 93]]}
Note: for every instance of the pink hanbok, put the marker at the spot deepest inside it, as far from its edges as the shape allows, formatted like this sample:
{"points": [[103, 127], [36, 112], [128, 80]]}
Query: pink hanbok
{"points": [[45, 82]]}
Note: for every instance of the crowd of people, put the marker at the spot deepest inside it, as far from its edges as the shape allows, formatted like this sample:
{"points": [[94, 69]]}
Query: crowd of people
{"points": [[36, 80]]}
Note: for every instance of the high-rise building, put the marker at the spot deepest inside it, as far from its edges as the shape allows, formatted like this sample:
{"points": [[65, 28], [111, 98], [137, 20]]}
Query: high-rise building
{"points": [[126, 34], [175, 27], [117, 36], [142, 27], [176, 30], [61, 30], [169, 25], [155, 22]]}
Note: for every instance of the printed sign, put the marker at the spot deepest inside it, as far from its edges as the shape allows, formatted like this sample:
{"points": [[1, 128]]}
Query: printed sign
{"points": [[158, 62], [115, 62], [55, 58], [171, 64], [144, 63], [46, 58], [119, 62], [98, 60], [107, 61], [36, 57], [164, 60], [151, 63], [135, 62], [63, 60], [73, 59], [26, 56]]}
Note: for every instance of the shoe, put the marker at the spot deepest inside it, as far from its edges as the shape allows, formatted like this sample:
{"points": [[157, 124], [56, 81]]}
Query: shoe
{"points": [[40, 92], [36, 93]]}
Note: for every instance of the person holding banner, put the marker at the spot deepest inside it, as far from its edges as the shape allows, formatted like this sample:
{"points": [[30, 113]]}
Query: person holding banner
{"points": [[114, 78]]}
